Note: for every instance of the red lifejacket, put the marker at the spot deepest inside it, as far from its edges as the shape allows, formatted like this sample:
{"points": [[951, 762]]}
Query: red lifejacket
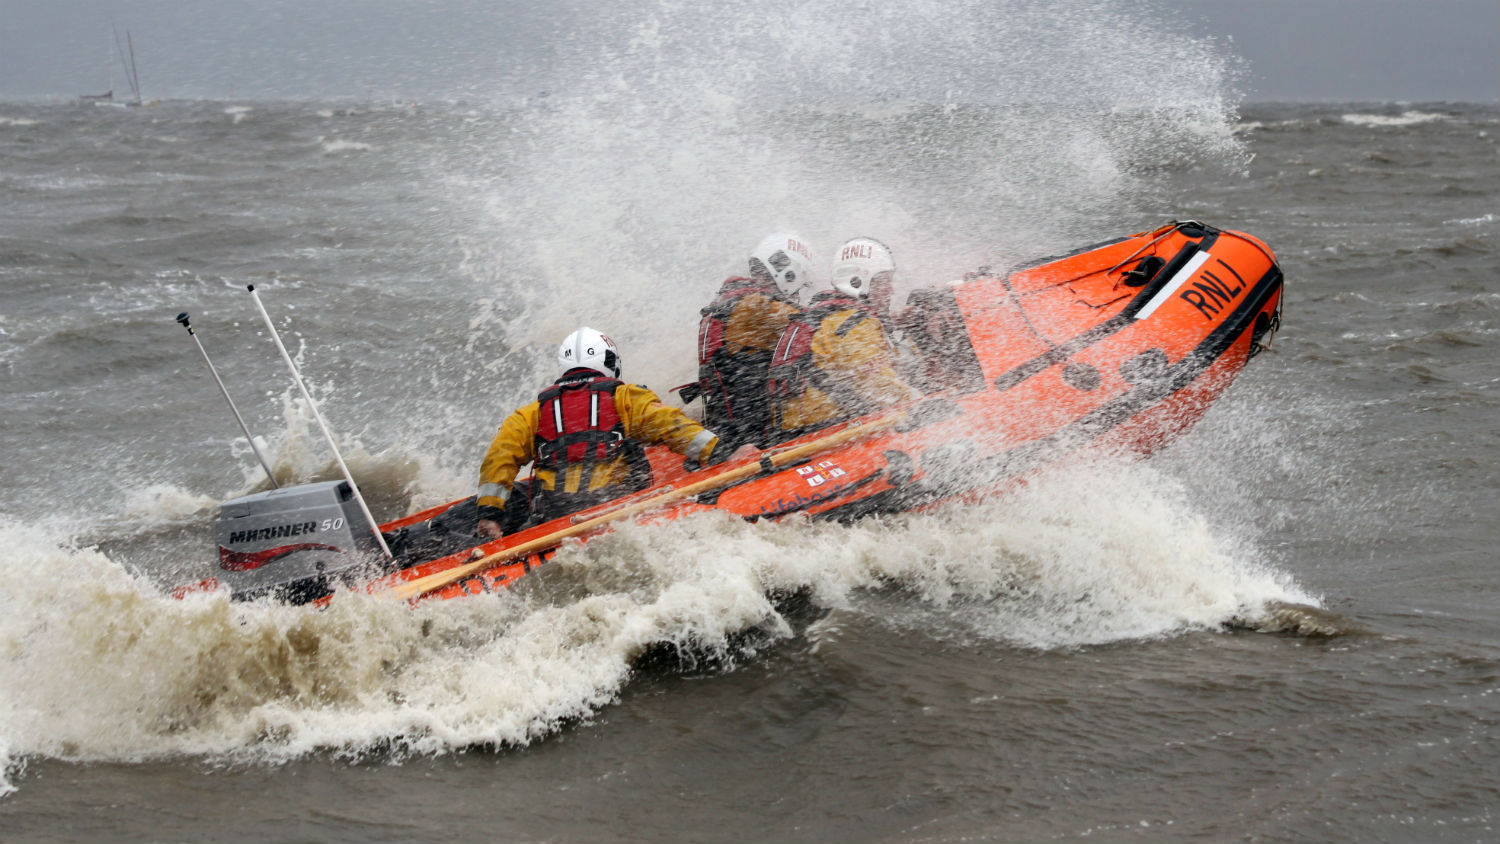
{"points": [[732, 385], [578, 424], [792, 371], [716, 315]]}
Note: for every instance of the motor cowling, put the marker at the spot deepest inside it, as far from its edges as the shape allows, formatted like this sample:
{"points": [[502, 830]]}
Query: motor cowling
{"points": [[295, 543]]}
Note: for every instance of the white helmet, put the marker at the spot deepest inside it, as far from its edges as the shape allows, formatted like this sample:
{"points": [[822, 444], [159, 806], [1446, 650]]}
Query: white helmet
{"points": [[787, 259], [590, 349], [857, 264]]}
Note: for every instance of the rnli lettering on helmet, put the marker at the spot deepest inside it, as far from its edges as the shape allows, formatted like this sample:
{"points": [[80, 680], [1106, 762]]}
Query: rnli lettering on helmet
{"points": [[1211, 294], [794, 245], [857, 250]]}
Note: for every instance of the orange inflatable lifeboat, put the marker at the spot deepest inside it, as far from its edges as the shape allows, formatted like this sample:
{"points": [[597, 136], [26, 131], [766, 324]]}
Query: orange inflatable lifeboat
{"points": [[1119, 346]]}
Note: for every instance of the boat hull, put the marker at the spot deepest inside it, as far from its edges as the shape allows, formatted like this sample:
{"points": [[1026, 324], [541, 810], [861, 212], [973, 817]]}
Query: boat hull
{"points": [[1119, 347]]}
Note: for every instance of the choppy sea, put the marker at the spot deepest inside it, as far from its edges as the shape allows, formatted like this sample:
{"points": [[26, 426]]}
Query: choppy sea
{"points": [[1283, 627]]}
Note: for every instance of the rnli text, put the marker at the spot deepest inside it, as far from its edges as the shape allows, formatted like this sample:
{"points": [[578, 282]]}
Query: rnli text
{"points": [[1211, 294]]}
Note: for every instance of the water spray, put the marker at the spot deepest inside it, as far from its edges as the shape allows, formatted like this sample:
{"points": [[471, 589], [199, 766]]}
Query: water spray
{"points": [[183, 318], [327, 436]]}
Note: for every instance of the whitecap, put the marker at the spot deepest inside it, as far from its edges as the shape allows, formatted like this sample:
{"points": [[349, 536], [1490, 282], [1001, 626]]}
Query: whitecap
{"points": [[1407, 118]]}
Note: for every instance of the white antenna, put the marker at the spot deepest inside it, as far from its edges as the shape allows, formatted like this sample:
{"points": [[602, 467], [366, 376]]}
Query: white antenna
{"points": [[327, 437], [270, 476]]}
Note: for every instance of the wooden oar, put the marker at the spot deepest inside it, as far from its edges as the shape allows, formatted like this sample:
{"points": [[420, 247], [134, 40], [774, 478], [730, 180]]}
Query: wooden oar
{"points": [[413, 589]]}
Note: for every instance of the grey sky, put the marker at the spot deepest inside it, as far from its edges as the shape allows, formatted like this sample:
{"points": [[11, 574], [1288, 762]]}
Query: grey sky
{"points": [[1321, 50], [1298, 50]]}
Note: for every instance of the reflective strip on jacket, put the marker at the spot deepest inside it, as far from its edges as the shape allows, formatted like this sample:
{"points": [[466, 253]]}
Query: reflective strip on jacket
{"points": [[646, 420], [736, 337], [851, 375]]}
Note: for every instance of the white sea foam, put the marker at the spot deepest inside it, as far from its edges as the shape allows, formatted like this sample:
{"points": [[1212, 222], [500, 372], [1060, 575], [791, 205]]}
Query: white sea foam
{"points": [[1481, 220], [1406, 118], [337, 145], [623, 206], [120, 671], [163, 502]]}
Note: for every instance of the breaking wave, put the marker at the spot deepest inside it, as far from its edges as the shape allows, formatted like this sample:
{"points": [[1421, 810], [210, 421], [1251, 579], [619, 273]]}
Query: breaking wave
{"points": [[460, 246], [1081, 556], [1406, 118]]}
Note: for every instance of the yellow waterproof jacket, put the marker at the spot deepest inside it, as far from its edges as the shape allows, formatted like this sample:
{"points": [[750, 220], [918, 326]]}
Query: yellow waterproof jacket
{"points": [[756, 322], [735, 340], [850, 370], [646, 421]]}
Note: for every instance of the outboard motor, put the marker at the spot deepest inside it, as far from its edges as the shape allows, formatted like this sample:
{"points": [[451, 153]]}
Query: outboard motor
{"points": [[294, 544]]}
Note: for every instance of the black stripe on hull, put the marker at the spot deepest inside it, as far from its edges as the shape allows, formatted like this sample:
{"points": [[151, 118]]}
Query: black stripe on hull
{"points": [[1087, 428], [1126, 317], [1165, 274]]}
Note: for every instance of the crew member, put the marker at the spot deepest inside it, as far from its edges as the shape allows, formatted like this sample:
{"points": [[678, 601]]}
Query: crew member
{"points": [[585, 436], [835, 361], [738, 332]]}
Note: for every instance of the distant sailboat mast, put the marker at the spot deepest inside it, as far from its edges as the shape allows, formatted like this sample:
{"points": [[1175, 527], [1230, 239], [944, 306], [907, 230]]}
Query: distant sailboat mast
{"points": [[135, 74], [124, 53], [131, 77]]}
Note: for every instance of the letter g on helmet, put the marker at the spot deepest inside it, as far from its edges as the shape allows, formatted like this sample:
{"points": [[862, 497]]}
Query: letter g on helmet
{"points": [[589, 349]]}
